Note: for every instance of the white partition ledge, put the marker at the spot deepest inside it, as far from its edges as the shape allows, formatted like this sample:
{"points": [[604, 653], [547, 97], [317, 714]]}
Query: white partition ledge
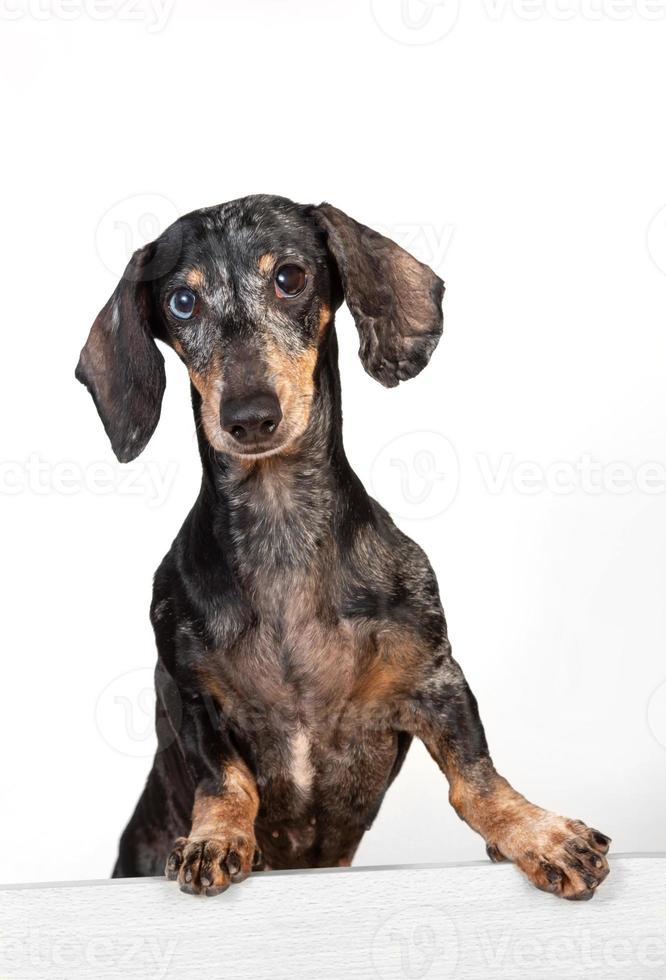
{"points": [[479, 921]]}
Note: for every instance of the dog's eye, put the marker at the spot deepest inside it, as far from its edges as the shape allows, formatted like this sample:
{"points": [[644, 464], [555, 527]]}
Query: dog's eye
{"points": [[290, 280], [182, 303]]}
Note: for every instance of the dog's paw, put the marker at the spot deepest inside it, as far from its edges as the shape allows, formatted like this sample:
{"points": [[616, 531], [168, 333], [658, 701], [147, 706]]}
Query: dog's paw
{"points": [[565, 857], [208, 865]]}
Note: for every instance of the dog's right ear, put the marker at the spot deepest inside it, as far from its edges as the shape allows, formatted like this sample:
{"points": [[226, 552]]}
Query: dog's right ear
{"points": [[121, 365]]}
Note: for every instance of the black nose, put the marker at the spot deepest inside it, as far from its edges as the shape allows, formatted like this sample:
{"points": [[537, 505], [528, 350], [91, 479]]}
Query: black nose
{"points": [[252, 418]]}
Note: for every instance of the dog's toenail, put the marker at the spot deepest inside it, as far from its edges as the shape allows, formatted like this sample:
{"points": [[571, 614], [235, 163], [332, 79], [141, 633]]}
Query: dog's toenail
{"points": [[552, 873], [233, 863]]}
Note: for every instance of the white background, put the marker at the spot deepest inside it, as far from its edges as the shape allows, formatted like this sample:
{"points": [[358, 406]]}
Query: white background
{"points": [[518, 148]]}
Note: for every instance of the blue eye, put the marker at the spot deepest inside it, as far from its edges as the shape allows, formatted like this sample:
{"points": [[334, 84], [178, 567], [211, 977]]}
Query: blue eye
{"points": [[182, 303]]}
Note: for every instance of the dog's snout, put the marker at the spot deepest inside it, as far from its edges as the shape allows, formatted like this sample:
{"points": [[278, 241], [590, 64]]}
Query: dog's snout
{"points": [[251, 418]]}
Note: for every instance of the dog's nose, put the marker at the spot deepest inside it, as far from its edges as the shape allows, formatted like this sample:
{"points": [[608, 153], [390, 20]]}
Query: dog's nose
{"points": [[251, 418]]}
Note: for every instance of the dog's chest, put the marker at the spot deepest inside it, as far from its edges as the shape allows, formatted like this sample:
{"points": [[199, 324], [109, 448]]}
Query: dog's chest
{"points": [[292, 658], [302, 688], [285, 642]]}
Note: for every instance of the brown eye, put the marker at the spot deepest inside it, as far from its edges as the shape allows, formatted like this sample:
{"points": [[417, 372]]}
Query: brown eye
{"points": [[290, 280]]}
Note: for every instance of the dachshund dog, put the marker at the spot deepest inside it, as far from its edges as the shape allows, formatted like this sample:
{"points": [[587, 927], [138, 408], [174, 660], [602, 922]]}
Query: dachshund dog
{"points": [[301, 640]]}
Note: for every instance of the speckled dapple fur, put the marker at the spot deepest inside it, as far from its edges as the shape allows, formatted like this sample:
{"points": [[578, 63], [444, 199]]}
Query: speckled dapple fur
{"points": [[301, 640]]}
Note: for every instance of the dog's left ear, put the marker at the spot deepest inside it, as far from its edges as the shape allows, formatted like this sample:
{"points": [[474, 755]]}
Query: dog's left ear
{"points": [[396, 301], [120, 364]]}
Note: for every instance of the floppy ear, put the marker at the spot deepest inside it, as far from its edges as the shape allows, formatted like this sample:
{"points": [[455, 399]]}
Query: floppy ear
{"points": [[396, 301], [120, 364]]}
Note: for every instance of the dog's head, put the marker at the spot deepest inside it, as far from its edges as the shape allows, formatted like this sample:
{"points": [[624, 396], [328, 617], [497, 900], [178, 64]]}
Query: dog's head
{"points": [[245, 294]]}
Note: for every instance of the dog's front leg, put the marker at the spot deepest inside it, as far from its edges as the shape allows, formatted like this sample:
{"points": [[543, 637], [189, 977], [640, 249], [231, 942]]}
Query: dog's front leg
{"points": [[557, 854], [220, 847]]}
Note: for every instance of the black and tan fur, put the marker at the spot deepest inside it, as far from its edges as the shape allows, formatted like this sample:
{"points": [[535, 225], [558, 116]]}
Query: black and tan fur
{"points": [[301, 640]]}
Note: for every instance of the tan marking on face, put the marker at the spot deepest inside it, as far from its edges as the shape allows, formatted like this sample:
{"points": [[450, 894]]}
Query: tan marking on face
{"points": [[266, 263], [178, 347], [195, 278], [232, 812], [294, 385], [293, 380], [209, 386], [324, 317]]}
